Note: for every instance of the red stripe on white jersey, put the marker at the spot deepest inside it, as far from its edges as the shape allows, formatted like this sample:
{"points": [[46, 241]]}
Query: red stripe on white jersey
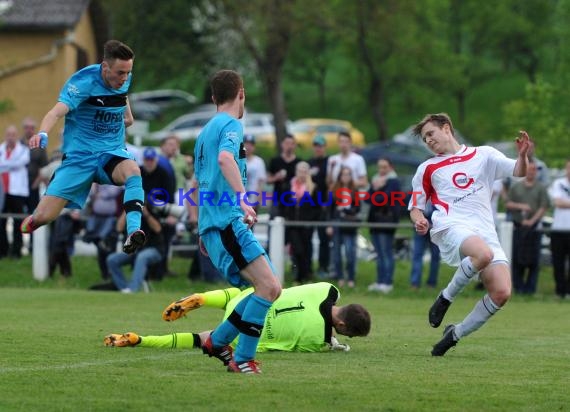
{"points": [[430, 170]]}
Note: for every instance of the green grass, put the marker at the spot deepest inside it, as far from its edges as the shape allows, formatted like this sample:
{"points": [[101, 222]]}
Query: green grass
{"points": [[52, 356]]}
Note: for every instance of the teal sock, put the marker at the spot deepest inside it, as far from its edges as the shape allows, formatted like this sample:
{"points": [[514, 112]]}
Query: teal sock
{"points": [[133, 201], [253, 319], [227, 331]]}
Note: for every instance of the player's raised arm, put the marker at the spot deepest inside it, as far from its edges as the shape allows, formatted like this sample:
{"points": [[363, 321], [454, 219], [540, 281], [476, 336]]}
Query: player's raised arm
{"points": [[525, 148], [50, 119]]}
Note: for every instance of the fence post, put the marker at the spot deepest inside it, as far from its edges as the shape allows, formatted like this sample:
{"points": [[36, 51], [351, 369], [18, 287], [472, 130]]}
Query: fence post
{"points": [[277, 246], [40, 253], [506, 237]]}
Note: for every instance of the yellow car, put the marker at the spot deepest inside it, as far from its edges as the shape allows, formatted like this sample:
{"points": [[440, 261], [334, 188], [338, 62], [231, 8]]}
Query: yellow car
{"points": [[305, 130]]}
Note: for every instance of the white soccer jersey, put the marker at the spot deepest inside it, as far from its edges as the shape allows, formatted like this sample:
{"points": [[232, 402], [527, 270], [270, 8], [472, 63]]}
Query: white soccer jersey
{"points": [[256, 173], [460, 187], [560, 189], [353, 161]]}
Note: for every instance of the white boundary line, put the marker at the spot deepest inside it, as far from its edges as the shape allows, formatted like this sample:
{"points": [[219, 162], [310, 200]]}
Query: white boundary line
{"points": [[95, 364]]}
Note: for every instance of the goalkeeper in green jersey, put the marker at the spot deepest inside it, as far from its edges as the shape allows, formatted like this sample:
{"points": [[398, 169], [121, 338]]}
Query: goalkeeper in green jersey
{"points": [[303, 319]]}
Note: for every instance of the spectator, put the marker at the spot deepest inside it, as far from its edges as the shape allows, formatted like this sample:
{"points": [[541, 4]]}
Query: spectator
{"points": [[305, 208], [281, 171], [63, 229], [182, 165], [528, 202], [344, 209], [420, 244], [62, 237], [38, 159], [347, 158], [159, 186], [105, 205], [256, 173], [142, 260], [318, 165], [14, 158], [386, 210], [560, 234]]}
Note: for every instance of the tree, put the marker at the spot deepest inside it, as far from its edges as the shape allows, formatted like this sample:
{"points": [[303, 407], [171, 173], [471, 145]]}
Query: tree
{"points": [[265, 28], [382, 38], [535, 114]]}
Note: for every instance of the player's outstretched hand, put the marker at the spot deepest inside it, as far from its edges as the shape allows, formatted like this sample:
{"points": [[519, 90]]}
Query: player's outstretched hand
{"points": [[525, 146]]}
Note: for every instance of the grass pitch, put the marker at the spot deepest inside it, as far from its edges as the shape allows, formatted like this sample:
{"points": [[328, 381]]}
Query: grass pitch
{"points": [[53, 359]]}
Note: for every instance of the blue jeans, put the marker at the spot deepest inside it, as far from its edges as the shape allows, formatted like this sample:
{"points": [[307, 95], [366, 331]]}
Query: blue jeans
{"points": [[349, 242], [141, 262], [420, 244], [385, 265]]}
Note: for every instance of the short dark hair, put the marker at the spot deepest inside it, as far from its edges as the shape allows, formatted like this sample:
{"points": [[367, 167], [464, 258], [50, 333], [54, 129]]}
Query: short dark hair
{"points": [[225, 86], [440, 119], [114, 49], [356, 319], [345, 133]]}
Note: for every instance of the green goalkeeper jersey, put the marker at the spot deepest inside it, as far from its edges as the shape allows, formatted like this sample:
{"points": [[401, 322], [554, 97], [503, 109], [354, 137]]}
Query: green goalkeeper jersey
{"points": [[299, 320]]}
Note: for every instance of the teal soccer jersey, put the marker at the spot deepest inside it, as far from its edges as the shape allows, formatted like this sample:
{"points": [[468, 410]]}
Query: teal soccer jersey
{"points": [[299, 320], [217, 200], [95, 122]]}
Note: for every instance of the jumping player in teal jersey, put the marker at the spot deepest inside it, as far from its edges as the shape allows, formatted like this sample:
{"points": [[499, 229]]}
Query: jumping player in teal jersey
{"points": [[96, 110], [303, 319], [224, 225]]}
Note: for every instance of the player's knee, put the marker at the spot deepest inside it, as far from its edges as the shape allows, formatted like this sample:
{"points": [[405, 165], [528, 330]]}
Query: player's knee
{"points": [[44, 216], [484, 258], [276, 291], [501, 296]]}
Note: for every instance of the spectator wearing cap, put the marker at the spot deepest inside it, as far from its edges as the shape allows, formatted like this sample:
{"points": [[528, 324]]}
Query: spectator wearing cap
{"points": [[256, 172], [318, 164], [157, 181], [281, 171], [159, 187]]}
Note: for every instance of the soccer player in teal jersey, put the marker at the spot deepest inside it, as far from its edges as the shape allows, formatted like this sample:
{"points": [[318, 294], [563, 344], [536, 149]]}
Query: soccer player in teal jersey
{"points": [[96, 110], [303, 319], [224, 225]]}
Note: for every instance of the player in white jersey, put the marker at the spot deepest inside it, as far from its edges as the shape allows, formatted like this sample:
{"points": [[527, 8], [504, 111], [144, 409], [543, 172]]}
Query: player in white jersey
{"points": [[459, 181]]}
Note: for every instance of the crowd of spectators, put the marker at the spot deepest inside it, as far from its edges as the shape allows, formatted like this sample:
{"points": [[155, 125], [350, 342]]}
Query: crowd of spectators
{"points": [[327, 184]]}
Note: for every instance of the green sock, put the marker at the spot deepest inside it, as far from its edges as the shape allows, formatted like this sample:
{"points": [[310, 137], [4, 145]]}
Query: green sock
{"points": [[219, 298], [170, 341]]}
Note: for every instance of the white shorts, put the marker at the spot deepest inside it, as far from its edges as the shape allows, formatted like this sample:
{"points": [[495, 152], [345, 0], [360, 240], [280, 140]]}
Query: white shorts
{"points": [[450, 240]]}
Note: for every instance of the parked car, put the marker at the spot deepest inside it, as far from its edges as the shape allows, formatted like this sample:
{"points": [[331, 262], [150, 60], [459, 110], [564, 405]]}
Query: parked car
{"points": [[185, 127], [262, 126], [407, 136], [188, 126], [396, 152], [305, 130], [149, 105]]}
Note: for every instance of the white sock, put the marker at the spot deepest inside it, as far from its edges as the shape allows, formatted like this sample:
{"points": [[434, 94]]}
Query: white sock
{"points": [[480, 314], [460, 279]]}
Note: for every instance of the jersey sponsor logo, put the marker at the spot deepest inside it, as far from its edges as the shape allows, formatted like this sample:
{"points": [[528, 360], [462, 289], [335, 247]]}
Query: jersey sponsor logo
{"points": [[100, 101], [461, 180], [108, 117]]}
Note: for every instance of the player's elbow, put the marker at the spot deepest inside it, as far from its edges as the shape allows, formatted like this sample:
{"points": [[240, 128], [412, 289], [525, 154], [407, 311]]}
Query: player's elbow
{"points": [[224, 159]]}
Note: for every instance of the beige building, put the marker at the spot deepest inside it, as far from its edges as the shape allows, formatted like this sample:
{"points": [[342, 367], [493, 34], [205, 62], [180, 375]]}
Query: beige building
{"points": [[42, 43]]}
